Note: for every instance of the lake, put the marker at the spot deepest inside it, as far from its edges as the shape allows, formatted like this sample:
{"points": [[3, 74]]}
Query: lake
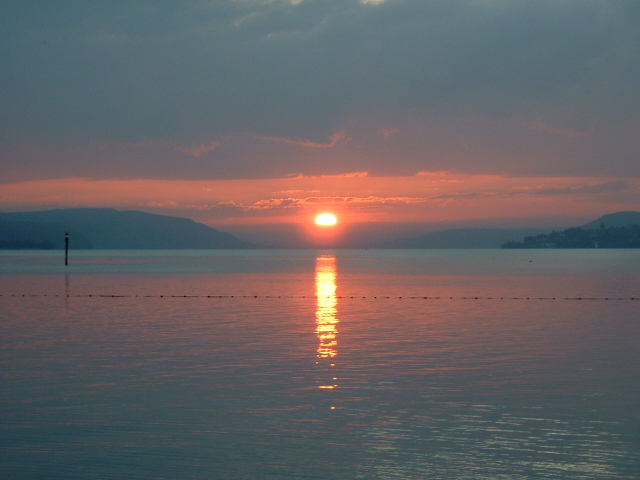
{"points": [[346, 364]]}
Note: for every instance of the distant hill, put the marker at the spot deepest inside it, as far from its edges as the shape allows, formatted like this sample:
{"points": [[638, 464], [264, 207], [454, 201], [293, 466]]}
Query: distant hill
{"points": [[464, 238], [615, 230], [620, 219], [106, 228]]}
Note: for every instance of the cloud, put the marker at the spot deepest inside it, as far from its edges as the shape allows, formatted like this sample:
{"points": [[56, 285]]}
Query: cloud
{"points": [[387, 132], [613, 186], [567, 132], [335, 139], [263, 88], [197, 150], [340, 175], [294, 70], [468, 195], [517, 189], [354, 205]]}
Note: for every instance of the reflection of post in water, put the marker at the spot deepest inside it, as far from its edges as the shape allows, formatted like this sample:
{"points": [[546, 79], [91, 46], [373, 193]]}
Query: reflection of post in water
{"points": [[66, 289], [326, 311]]}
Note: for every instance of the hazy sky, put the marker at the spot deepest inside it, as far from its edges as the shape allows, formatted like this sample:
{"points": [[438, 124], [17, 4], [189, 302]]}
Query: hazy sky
{"points": [[232, 111]]}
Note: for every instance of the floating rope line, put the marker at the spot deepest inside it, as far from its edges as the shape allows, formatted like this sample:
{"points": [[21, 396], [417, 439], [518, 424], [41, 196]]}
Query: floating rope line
{"points": [[337, 297]]}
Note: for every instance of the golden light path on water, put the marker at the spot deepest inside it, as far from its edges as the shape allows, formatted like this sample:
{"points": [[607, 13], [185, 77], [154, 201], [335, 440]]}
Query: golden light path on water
{"points": [[326, 311]]}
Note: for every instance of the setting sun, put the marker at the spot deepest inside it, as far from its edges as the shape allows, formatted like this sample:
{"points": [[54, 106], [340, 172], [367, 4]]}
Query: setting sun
{"points": [[326, 219]]}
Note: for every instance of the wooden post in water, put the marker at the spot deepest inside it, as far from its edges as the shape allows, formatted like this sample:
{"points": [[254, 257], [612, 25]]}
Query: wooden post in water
{"points": [[66, 248]]}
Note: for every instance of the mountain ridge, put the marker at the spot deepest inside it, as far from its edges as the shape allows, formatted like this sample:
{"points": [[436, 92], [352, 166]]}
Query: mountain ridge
{"points": [[613, 230], [108, 228], [618, 219]]}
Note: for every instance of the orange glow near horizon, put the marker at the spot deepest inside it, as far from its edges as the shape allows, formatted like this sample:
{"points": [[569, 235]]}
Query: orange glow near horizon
{"points": [[424, 197]]}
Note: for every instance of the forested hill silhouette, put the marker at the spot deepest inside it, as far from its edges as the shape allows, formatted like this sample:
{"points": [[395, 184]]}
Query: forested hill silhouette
{"points": [[615, 230], [107, 228]]}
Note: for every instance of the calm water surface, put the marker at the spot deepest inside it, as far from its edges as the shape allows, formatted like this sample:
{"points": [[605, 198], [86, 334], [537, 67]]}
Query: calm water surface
{"points": [[320, 364]]}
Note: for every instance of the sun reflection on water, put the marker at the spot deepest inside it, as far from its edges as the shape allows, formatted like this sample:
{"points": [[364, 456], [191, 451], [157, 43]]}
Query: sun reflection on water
{"points": [[326, 311]]}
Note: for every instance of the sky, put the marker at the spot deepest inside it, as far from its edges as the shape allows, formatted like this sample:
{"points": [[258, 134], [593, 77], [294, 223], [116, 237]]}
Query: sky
{"points": [[267, 112]]}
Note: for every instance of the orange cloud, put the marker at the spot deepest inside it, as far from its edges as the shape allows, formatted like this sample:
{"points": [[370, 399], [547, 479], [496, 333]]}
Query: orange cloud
{"points": [[387, 132], [197, 150], [340, 175]]}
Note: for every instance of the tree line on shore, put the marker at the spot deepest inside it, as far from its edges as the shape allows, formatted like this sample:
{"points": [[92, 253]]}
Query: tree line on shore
{"points": [[578, 237]]}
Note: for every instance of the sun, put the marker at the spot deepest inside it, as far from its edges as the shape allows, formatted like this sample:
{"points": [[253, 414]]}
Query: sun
{"points": [[326, 219]]}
